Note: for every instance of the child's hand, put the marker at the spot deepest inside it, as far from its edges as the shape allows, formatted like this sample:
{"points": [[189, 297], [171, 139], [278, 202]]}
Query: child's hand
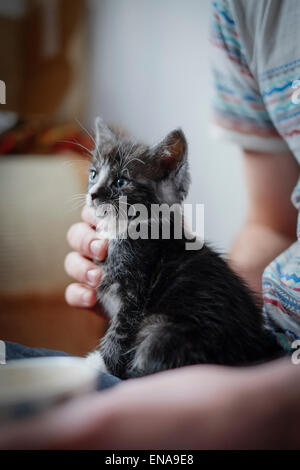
{"points": [[82, 237]]}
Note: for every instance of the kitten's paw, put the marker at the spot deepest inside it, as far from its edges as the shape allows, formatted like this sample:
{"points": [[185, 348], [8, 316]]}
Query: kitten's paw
{"points": [[95, 360]]}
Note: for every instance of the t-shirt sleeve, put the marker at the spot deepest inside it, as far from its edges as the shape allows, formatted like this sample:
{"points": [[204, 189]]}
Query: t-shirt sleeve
{"points": [[238, 110]]}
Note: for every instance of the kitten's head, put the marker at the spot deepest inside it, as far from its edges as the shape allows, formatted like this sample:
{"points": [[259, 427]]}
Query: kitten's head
{"points": [[145, 175]]}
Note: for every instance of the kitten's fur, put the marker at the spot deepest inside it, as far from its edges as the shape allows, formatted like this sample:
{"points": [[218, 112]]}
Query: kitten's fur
{"points": [[168, 307]]}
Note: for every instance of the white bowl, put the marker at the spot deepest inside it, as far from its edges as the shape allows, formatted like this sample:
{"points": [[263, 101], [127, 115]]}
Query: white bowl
{"points": [[28, 386]]}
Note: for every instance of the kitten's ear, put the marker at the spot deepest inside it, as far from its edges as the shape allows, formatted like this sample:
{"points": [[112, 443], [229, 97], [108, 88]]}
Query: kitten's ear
{"points": [[104, 136], [172, 151]]}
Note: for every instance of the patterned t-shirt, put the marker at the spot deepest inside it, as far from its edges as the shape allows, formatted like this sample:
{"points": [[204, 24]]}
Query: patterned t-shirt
{"points": [[256, 71]]}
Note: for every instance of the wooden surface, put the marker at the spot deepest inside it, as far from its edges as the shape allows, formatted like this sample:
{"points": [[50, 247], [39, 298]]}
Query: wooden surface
{"points": [[48, 322]]}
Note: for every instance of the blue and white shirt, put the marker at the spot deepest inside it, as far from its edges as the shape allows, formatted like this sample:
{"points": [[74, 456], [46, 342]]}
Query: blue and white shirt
{"points": [[256, 70]]}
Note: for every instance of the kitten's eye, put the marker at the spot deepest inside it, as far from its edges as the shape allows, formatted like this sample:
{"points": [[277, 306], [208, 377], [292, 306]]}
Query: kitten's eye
{"points": [[92, 176], [121, 182]]}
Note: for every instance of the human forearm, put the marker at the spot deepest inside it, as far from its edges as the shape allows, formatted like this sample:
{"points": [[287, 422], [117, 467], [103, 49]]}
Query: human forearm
{"points": [[267, 410], [254, 248], [270, 225], [198, 407]]}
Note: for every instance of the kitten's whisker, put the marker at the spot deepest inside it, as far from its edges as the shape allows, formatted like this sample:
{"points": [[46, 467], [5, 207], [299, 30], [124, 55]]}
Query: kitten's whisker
{"points": [[129, 351], [130, 150], [79, 194], [121, 212], [77, 144], [77, 197], [127, 171], [119, 142], [68, 163], [139, 160], [85, 130], [132, 160], [75, 204], [74, 207]]}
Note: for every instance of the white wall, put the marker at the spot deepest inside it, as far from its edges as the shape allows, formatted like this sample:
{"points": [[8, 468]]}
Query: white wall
{"points": [[150, 73]]}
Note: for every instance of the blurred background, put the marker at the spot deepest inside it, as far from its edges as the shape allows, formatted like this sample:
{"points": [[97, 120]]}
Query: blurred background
{"points": [[144, 66]]}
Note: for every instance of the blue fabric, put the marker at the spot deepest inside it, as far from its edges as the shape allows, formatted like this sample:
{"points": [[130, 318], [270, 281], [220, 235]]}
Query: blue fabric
{"points": [[19, 351]]}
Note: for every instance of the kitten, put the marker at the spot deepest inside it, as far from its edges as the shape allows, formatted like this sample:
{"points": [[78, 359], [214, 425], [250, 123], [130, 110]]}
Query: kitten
{"points": [[168, 306]]}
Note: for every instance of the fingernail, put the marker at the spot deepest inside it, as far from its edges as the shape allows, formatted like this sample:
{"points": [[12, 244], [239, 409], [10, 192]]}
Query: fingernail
{"points": [[93, 276], [86, 298], [96, 247]]}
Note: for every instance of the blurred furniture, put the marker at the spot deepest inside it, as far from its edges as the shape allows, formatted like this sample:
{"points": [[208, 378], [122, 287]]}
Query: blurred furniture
{"points": [[38, 203], [43, 62], [43, 57]]}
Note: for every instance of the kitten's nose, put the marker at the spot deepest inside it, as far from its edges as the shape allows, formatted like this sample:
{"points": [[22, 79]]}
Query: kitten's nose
{"points": [[100, 193]]}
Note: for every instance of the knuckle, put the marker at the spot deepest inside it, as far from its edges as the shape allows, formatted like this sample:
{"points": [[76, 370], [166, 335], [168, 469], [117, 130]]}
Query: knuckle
{"points": [[68, 262], [69, 294], [69, 234], [88, 216], [85, 241], [79, 236], [72, 233]]}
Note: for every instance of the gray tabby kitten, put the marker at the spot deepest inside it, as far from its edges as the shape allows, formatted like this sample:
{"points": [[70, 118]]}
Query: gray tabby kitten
{"points": [[168, 306]]}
